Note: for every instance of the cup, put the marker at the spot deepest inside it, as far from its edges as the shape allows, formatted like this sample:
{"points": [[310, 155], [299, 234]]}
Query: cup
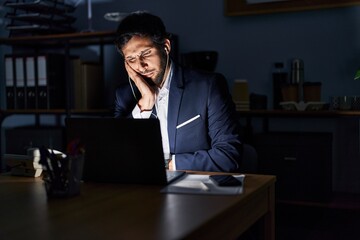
{"points": [[334, 103], [63, 178], [312, 91], [290, 93], [345, 102], [355, 103]]}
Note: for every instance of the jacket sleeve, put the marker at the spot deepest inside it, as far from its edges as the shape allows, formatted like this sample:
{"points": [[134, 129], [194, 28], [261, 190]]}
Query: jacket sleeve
{"points": [[124, 101]]}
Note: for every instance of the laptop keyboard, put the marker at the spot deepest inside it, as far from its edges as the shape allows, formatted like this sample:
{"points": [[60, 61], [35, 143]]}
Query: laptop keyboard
{"points": [[173, 175]]}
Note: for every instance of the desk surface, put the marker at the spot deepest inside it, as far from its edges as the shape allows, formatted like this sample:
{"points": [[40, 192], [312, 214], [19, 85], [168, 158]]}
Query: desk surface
{"points": [[109, 211]]}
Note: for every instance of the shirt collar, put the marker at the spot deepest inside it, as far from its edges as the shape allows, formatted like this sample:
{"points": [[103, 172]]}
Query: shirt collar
{"points": [[166, 86]]}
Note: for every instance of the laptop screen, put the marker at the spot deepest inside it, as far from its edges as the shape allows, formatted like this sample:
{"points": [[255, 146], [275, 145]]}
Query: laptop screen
{"points": [[120, 150]]}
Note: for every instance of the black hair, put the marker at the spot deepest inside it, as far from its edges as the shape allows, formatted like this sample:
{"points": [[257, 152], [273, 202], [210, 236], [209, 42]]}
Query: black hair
{"points": [[141, 24]]}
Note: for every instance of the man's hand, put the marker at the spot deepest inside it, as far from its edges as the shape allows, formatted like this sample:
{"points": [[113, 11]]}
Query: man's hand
{"points": [[171, 165], [147, 100]]}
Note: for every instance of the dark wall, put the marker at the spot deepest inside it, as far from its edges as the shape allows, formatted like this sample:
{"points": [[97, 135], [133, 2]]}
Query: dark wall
{"points": [[327, 40]]}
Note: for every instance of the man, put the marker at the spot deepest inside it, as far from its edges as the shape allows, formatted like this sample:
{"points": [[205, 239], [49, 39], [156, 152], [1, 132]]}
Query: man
{"points": [[196, 113]]}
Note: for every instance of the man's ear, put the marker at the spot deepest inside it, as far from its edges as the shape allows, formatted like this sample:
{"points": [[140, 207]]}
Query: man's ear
{"points": [[167, 46]]}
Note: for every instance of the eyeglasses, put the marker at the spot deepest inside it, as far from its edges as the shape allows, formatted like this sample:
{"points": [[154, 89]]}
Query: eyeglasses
{"points": [[143, 55]]}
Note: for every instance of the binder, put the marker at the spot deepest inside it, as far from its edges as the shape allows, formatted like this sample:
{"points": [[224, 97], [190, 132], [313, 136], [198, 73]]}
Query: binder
{"points": [[51, 81], [31, 92], [9, 83], [42, 83], [20, 83]]}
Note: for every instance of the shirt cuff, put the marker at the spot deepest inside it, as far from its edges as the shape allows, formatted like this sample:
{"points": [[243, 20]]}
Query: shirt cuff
{"points": [[136, 113], [173, 160]]}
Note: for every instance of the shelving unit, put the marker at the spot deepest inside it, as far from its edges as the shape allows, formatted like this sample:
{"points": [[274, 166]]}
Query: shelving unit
{"points": [[62, 42], [244, 7], [313, 163], [302, 162], [39, 17]]}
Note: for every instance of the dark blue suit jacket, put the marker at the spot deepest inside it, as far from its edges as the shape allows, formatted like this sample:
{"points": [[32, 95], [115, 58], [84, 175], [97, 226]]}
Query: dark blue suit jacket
{"points": [[209, 143]]}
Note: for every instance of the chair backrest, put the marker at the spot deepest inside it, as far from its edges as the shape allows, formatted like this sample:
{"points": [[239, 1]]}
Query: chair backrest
{"points": [[249, 159], [203, 60]]}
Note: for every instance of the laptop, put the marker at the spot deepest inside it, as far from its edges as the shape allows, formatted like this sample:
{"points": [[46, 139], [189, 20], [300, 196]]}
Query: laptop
{"points": [[121, 150]]}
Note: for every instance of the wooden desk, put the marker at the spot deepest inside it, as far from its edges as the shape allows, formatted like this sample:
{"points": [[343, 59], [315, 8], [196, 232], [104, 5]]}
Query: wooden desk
{"points": [[107, 211]]}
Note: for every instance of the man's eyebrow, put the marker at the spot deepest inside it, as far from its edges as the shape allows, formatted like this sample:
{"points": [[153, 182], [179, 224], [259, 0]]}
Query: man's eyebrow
{"points": [[142, 52], [146, 50], [129, 57]]}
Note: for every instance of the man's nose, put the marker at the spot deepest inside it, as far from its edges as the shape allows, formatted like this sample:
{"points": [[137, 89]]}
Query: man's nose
{"points": [[142, 65]]}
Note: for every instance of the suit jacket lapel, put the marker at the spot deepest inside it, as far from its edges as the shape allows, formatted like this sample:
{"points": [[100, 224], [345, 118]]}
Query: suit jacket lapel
{"points": [[175, 96]]}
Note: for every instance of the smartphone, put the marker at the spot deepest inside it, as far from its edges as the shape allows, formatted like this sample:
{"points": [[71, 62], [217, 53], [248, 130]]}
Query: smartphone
{"points": [[225, 180]]}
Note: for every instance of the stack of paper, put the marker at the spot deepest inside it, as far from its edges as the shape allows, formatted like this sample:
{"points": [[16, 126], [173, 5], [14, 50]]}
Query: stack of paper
{"points": [[26, 165], [201, 184]]}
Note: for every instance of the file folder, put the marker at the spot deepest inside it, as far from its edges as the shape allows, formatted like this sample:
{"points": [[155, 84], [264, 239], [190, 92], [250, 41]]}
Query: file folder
{"points": [[35, 81], [9, 83], [42, 96], [20, 83], [30, 83]]}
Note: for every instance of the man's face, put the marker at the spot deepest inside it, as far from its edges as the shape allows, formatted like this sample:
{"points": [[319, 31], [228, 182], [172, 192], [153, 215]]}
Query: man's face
{"points": [[145, 59]]}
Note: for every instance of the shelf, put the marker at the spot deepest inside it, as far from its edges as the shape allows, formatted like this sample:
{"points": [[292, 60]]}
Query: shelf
{"points": [[43, 6], [245, 7], [105, 112], [265, 115], [39, 28], [56, 40], [65, 42], [285, 113], [41, 18]]}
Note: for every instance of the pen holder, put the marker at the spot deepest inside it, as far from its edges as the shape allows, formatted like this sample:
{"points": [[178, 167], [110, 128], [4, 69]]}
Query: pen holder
{"points": [[62, 175]]}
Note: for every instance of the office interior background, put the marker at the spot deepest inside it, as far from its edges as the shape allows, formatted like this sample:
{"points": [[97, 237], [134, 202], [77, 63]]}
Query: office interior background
{"points": [[327, 40]]}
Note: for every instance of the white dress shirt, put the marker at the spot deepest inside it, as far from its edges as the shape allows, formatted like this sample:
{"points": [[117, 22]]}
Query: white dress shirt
{"points": [[161, 106]]}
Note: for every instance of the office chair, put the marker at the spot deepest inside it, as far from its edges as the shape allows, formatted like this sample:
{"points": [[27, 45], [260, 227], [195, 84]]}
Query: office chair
{"points": [[203, 60], [249, 159]]}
